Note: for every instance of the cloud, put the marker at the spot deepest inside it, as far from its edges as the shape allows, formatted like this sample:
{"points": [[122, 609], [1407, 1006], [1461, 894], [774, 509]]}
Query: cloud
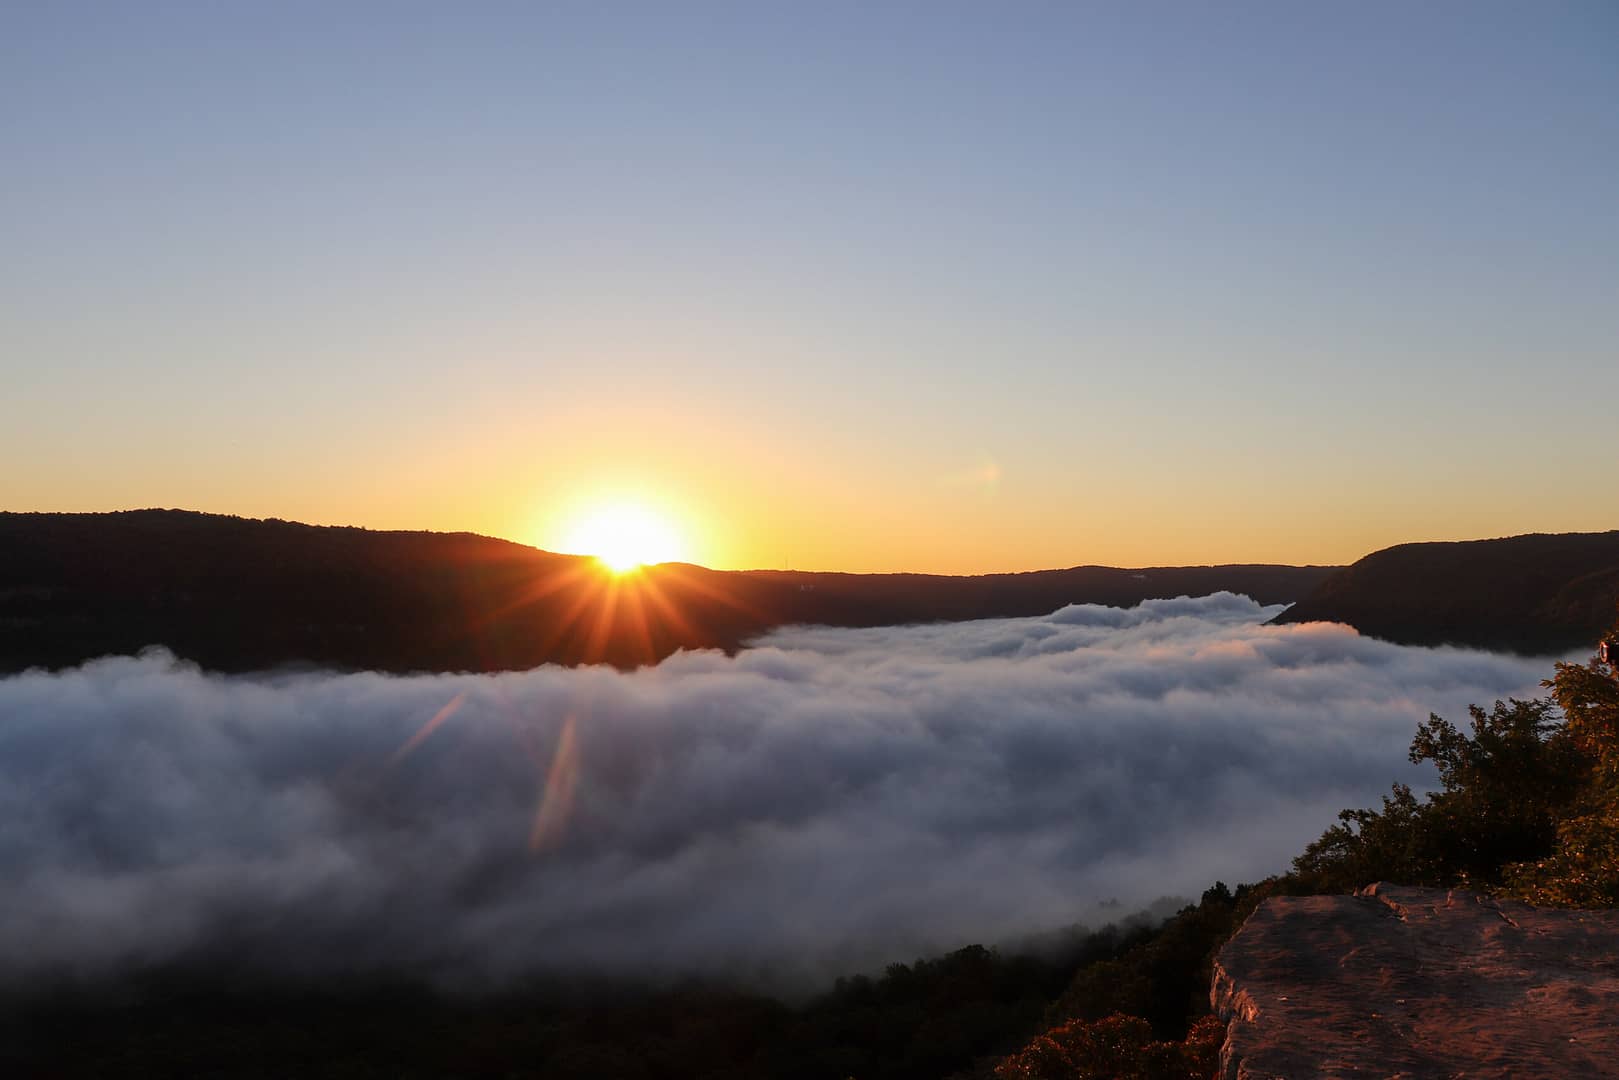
{"points": [[826, 801]]}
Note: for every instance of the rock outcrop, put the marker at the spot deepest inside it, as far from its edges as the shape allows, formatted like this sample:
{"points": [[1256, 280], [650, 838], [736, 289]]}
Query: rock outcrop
{"points": [[1419, 984]]}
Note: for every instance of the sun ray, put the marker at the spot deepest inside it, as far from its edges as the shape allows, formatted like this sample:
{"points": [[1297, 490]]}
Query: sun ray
{"points": [[636, 615], [601, 632], [591, 594], [539, 589], [653, 590], [696, 585]]}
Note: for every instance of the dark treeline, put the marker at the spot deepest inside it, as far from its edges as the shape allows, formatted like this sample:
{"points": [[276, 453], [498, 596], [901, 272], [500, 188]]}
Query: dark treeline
{"points": [[237, 594], [957, 1014], [915, 1020]]}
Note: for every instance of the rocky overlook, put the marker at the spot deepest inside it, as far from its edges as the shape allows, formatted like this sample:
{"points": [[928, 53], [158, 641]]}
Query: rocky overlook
{"points": [[1419, 983]]}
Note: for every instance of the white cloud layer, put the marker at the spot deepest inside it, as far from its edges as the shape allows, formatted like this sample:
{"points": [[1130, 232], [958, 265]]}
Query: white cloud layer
{"points": [[824, 802]]}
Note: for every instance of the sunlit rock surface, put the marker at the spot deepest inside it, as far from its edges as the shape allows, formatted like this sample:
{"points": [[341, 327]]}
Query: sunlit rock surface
{"points": [[1419, 983]]}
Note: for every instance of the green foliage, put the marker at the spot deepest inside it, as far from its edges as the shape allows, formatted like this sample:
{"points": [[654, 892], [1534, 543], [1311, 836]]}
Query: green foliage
{"points": [[1163, 975], [1589, 698], [1117, 1047], [1582, 869], [1528, 806], [1504, 788], [921, 1020], [1371, 845]]}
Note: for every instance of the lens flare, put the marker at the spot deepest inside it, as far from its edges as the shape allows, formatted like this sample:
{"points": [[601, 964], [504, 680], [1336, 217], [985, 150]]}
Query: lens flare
{"points": [[556, 802], [427, 729]]}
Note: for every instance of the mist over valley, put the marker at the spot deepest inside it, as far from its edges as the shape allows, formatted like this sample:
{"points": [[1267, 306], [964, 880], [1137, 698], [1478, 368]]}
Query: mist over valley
{"points": [[825, 801]]}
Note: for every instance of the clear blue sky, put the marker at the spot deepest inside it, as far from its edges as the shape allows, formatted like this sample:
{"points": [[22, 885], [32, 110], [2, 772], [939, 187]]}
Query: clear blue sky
{"points": [[891, 286]]}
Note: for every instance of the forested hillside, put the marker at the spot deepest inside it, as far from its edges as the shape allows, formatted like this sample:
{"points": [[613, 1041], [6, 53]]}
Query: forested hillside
{"points": [[237, 594], [1538, 594]]}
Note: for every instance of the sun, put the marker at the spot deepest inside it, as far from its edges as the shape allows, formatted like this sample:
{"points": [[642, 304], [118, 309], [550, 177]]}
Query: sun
{"points": [[623, 536]]}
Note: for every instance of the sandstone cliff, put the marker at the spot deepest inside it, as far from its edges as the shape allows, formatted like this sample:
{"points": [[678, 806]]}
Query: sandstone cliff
{"points": [[1418, 984]]}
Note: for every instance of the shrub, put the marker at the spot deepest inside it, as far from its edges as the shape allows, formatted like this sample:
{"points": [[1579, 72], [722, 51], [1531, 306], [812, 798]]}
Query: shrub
{"points": [[1505, 786], [1117, 1047], [1582, 868]]}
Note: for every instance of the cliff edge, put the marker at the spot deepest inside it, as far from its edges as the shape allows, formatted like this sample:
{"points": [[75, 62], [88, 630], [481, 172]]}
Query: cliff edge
{"points": [[1418, 984]]}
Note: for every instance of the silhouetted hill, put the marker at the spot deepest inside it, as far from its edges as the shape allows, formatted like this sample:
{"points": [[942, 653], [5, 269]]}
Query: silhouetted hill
{"points": [[1542, 593], [238, 594]]}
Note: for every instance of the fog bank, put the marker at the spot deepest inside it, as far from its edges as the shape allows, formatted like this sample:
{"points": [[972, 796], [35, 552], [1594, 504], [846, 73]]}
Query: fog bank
{"points": [[829, 800]]}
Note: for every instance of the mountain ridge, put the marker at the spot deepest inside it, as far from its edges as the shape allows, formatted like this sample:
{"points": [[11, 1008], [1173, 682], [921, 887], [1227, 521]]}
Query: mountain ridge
{"points": [[240, 594], [1534, 593]]}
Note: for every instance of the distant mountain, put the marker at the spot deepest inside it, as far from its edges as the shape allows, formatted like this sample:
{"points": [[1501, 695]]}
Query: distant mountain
{"points": [[1542, 593], [239, 594]]}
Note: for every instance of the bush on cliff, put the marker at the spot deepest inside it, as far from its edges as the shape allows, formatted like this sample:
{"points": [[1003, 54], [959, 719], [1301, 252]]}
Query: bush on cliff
{"points": [[1117, 1047], [1582, 867], [1163, 977], [1504, 788], [1528, 804]]}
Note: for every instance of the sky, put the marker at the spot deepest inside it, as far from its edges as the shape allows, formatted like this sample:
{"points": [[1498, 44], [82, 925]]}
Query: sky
{"points": [[945, 287]]}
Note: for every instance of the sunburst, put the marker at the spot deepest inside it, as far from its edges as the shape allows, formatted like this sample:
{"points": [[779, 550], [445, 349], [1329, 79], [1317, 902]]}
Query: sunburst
{"points": [[624, 536]]}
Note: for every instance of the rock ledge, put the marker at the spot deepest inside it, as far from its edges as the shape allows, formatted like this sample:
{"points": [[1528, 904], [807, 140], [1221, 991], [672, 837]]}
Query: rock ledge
{"points": [[1418, 984]]}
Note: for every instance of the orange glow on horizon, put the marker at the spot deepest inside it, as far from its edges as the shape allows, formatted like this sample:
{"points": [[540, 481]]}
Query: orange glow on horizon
{"points": [[624, 536]]}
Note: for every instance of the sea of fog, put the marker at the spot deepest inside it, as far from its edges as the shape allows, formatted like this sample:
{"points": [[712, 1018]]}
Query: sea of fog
{"points": [[827, 801]]}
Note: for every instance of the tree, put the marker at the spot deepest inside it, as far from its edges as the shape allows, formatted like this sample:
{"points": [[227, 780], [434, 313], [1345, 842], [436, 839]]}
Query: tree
{"points": [[1582, 870], [1504, 787]]}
